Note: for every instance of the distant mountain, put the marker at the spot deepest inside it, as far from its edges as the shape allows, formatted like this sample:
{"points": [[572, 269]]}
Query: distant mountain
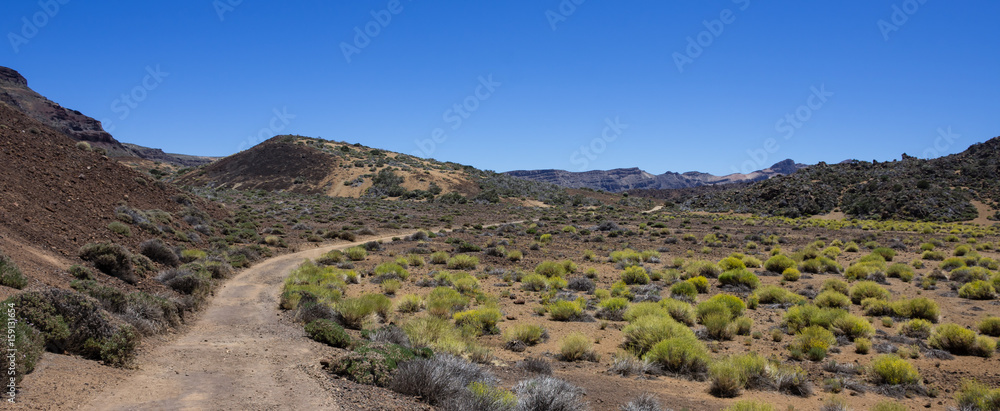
{"points": [[939, 189], [338, 169], [15, 92], [624, 179]]}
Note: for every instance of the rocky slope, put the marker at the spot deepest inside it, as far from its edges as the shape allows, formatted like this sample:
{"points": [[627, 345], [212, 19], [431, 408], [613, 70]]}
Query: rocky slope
{"points": [[940, 189], [14, 91], [623, 179]]}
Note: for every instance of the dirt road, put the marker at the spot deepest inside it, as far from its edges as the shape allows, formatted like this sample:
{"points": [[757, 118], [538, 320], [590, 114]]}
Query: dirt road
{"points": [[238, 355]]}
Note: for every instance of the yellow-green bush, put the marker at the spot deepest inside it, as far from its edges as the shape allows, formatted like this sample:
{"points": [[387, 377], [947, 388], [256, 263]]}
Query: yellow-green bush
{"points": [[564, 310], [529, 334], [682, 354], [813, 342], [635, 275], [974, 395], [977, 290], [462, 262], [832, 299], [919, 307], [957, 340], [990, 326], [643, 333], [700, 283], [481, 321], [679, 310], [576, 347], [740, 277], [888, 369], [852, 326], [356, 253], [772, 294], [868, 289]]}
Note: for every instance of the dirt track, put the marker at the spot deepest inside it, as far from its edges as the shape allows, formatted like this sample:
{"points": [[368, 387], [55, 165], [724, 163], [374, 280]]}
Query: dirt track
{"points": [[238, 355]]}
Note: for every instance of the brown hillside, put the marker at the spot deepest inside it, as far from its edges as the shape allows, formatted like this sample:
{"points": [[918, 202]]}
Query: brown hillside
{"points": [[55, 197]]}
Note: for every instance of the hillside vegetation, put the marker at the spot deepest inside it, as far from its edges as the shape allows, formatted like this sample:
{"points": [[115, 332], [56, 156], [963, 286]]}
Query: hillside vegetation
{"points": [[939, 189]]}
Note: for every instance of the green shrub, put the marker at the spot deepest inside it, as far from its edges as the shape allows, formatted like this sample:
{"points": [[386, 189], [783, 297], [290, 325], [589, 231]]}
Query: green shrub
{"points": [[120, 229], [328, 332], [915, 328], [515, 255], [354, 313], [813, 341], [952, 263], [919, 307], [612, 308], [703, 268], [731, 374], [635, 275], [442, 301], [862, 345], [791, 274], [410, 303], [749, 405], [886, 253], [462, 262], [977, 290], [834, 284], [577, 346], [488, 397], [391, 270], [718, 325], [743, 278], [682, 354], [680, 311], [974, 395], [967, 274], [733, 304], [528, 334], [888, 369], [779, 263], [373, 363], [684, 290], [700, 283], [643, 333], [111, 259], [356, 253], [876, 307], [864, 270], [534, 282], [437, 333], [802, 316], [480, 321], [990, 326], [852, 327], [742, 325], [550, 269], [10, 274], [868, 289], [832, 299], [732, 263], [27, 343], [390, 287], [439, 257], [564, 310], [960, 341], [644, 308], [901, 271], [772, 294]]}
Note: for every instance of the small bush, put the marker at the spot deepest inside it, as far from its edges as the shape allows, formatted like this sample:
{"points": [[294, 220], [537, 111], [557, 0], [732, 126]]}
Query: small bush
{"points": [[749, 405], [410, 303], [354, 313], [438, 379], [889, 369], [734, 304], [635, 275], [868, 289], [159, 252], [27, 344], [834, 284], [974, 395], [700, 283], [577, 347], [481, 321], [10, 274], [977, 290], [684, 290], [548, 393], [742, 278], [462, 262], [960, 341], [643, 333], [916, 328], [111, 259], [565, 311], [329, 333], [391, 270], [356, 253], [990, 326], [680, 311], [901, 271], [919, 307], [442, 301], [644, 402], [718, 325], [192, 254], [529, 334], [862, 345], [802, 316], [612, 308], [682, 354], [779, 263], [534, 282], [439, 257], [853, 327], [791, 274], [772, 294], [832, 299], [813, 341]]}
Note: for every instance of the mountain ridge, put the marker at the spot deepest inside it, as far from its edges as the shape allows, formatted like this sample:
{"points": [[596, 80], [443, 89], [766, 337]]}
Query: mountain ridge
{"points": [[633, 178]]}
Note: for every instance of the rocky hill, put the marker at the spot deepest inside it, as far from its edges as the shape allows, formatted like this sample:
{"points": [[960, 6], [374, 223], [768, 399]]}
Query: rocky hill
{"points": [[623, 179], [14, 91], [338, 169], [56, 197], [957, 187]]}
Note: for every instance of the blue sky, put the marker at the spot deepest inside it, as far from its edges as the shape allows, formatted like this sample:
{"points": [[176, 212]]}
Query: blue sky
{"points": [[522, 84]]}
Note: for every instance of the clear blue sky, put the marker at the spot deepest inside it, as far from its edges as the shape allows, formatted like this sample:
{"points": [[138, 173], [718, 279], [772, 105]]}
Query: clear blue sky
{"points": [[225, 77]]}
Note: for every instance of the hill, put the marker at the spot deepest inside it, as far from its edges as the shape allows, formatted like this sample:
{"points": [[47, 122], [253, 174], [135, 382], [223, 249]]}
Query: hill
{"points": [[623, 179], [958, 187], [14, 91], [337, 169], [56, 197]]}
